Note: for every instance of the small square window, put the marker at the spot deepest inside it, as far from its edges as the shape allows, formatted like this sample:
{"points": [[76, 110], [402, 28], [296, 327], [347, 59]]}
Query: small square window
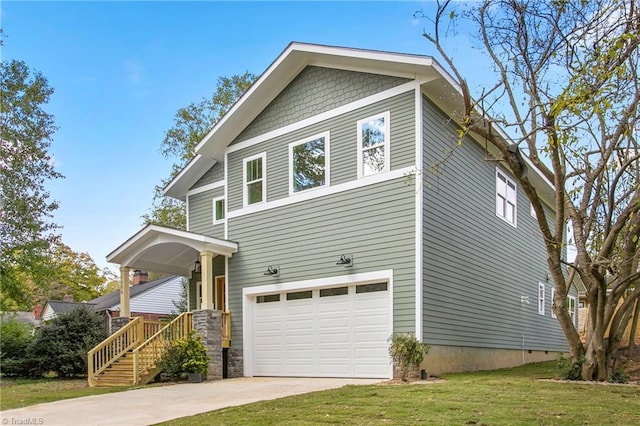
{"points": [[218, 210]]}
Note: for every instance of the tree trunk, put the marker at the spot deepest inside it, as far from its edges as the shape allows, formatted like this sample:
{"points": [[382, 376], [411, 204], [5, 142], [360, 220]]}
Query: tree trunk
{"points": [[634, 329]]}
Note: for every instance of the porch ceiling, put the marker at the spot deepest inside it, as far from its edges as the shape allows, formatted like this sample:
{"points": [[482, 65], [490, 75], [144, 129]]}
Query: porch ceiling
{"points": [[161, 249]]}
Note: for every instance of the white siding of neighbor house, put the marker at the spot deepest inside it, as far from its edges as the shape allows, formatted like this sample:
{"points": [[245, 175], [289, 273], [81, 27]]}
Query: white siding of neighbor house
{"points": [[159, 300]]}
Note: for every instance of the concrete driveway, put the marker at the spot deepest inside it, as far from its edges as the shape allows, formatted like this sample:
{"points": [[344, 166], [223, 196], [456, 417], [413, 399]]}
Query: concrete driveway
{"points": [[158, 404]]}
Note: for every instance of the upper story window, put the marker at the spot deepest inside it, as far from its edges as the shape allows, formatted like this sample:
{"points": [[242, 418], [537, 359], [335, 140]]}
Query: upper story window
{"points": [[541, 298], [308, 161], [254, 179], [553, 303], [218, 210], [373, 144], [506, 198]]}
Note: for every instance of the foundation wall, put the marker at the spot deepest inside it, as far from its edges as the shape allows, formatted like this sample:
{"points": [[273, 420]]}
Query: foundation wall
{"points": [[449, 359]]}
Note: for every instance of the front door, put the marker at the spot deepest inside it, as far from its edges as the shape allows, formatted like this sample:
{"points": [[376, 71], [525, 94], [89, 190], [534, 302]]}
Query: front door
{"points": [[220, 294]]}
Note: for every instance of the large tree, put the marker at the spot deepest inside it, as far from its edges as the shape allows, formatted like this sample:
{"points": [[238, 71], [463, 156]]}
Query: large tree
{"points": [[190, 126], [567, 93], [26, 228]]}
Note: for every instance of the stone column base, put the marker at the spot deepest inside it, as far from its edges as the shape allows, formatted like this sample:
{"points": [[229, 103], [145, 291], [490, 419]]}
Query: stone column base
{"points": [[207, 323]]}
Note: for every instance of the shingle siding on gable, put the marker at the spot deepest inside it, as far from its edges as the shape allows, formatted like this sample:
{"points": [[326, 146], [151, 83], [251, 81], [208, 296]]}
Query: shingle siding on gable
{"points": [[214, 174], [201, 213], [316, 90], [343, 147], [476, 265]]}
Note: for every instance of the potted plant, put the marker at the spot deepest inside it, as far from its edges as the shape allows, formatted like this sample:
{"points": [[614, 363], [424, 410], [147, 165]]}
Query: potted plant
{"points": [[195, 361]]}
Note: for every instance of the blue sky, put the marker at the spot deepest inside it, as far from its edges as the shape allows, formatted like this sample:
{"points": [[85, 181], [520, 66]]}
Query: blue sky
{"points": [[121, 70]]}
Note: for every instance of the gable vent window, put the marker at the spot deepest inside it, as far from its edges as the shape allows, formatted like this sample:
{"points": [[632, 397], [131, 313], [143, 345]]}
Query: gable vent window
{"points": [[373, 144], [255, 183], [506, 198]]}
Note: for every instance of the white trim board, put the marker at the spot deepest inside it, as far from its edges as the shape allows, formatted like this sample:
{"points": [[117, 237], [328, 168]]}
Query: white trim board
{"points": [[208, 187]]}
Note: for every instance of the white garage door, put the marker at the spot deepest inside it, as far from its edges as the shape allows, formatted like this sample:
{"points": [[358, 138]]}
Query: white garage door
{"points": [[327, 332]]}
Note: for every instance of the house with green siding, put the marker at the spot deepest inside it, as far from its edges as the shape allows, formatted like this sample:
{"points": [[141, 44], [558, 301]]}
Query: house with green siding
{"points": [[333, 206]]}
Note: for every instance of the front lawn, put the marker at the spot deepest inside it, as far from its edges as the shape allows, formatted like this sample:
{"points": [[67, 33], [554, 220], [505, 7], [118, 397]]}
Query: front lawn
{"points": [[17, 393], [522, 395]]}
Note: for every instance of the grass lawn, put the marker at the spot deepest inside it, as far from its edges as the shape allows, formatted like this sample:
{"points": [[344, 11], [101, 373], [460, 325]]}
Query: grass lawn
{"points": [[510, 397], [17, 393]]}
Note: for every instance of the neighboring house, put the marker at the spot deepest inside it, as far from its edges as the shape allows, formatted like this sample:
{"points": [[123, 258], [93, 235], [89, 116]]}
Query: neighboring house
{"points": [[332, 206], [53, 308], [23, 317], [152, 300]]}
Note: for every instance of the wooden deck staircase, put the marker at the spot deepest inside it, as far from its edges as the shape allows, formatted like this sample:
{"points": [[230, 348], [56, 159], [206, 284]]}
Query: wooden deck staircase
{"points": [[131, 355]]}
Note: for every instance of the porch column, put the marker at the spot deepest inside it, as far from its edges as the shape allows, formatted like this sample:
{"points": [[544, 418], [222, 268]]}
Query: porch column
{"points": [[125, 310], [206, 260]]}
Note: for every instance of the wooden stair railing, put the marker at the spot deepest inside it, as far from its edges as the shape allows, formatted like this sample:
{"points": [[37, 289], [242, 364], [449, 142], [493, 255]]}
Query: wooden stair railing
{"points": [[147, 356], [113, 347]]}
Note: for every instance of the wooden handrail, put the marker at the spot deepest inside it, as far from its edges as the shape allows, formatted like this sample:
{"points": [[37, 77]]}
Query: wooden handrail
{"points": [[226, 329], [147, 355], [113, 347], [152, 327]]}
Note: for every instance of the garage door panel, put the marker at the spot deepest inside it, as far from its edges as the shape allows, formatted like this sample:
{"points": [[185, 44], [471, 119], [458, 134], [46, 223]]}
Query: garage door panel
{"points": [[331, 336]]}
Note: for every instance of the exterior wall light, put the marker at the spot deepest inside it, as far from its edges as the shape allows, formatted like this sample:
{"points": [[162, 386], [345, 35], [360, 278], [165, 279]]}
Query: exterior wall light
{"points": [[271, 271], [345, 260]]}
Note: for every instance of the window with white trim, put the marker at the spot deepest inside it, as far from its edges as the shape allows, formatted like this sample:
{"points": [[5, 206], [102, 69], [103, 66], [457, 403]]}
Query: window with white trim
{"points": [[218, 210], [373, 144], [254, 179], [571, 307], [541, 298], [533, 212], [553, 303], [308, 163], [506, 198]]}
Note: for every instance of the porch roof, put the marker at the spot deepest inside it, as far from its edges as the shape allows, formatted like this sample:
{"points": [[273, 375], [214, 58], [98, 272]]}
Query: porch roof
{"points": [[168, 250]]}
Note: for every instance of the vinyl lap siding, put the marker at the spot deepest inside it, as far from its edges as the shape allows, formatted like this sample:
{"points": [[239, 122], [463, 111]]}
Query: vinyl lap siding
{"points": [[214, 174], [160, 300], [201, 213], [316, 90], [374, 223], [477, 266], [343, 148]]}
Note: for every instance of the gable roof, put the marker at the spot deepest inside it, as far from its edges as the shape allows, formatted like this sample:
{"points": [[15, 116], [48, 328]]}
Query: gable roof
{"points": [[432, 77], [109, 300], [58, 306], [20, 316]]}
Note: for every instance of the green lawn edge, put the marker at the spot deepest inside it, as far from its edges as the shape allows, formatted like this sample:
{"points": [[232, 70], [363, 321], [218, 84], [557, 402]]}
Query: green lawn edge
{"points": [[525, 395]]}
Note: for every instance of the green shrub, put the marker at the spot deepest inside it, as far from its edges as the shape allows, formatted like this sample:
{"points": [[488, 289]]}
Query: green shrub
{"points": [[407, 352], [14, 344], [570, 370], [62, 344], [185, 356]]}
